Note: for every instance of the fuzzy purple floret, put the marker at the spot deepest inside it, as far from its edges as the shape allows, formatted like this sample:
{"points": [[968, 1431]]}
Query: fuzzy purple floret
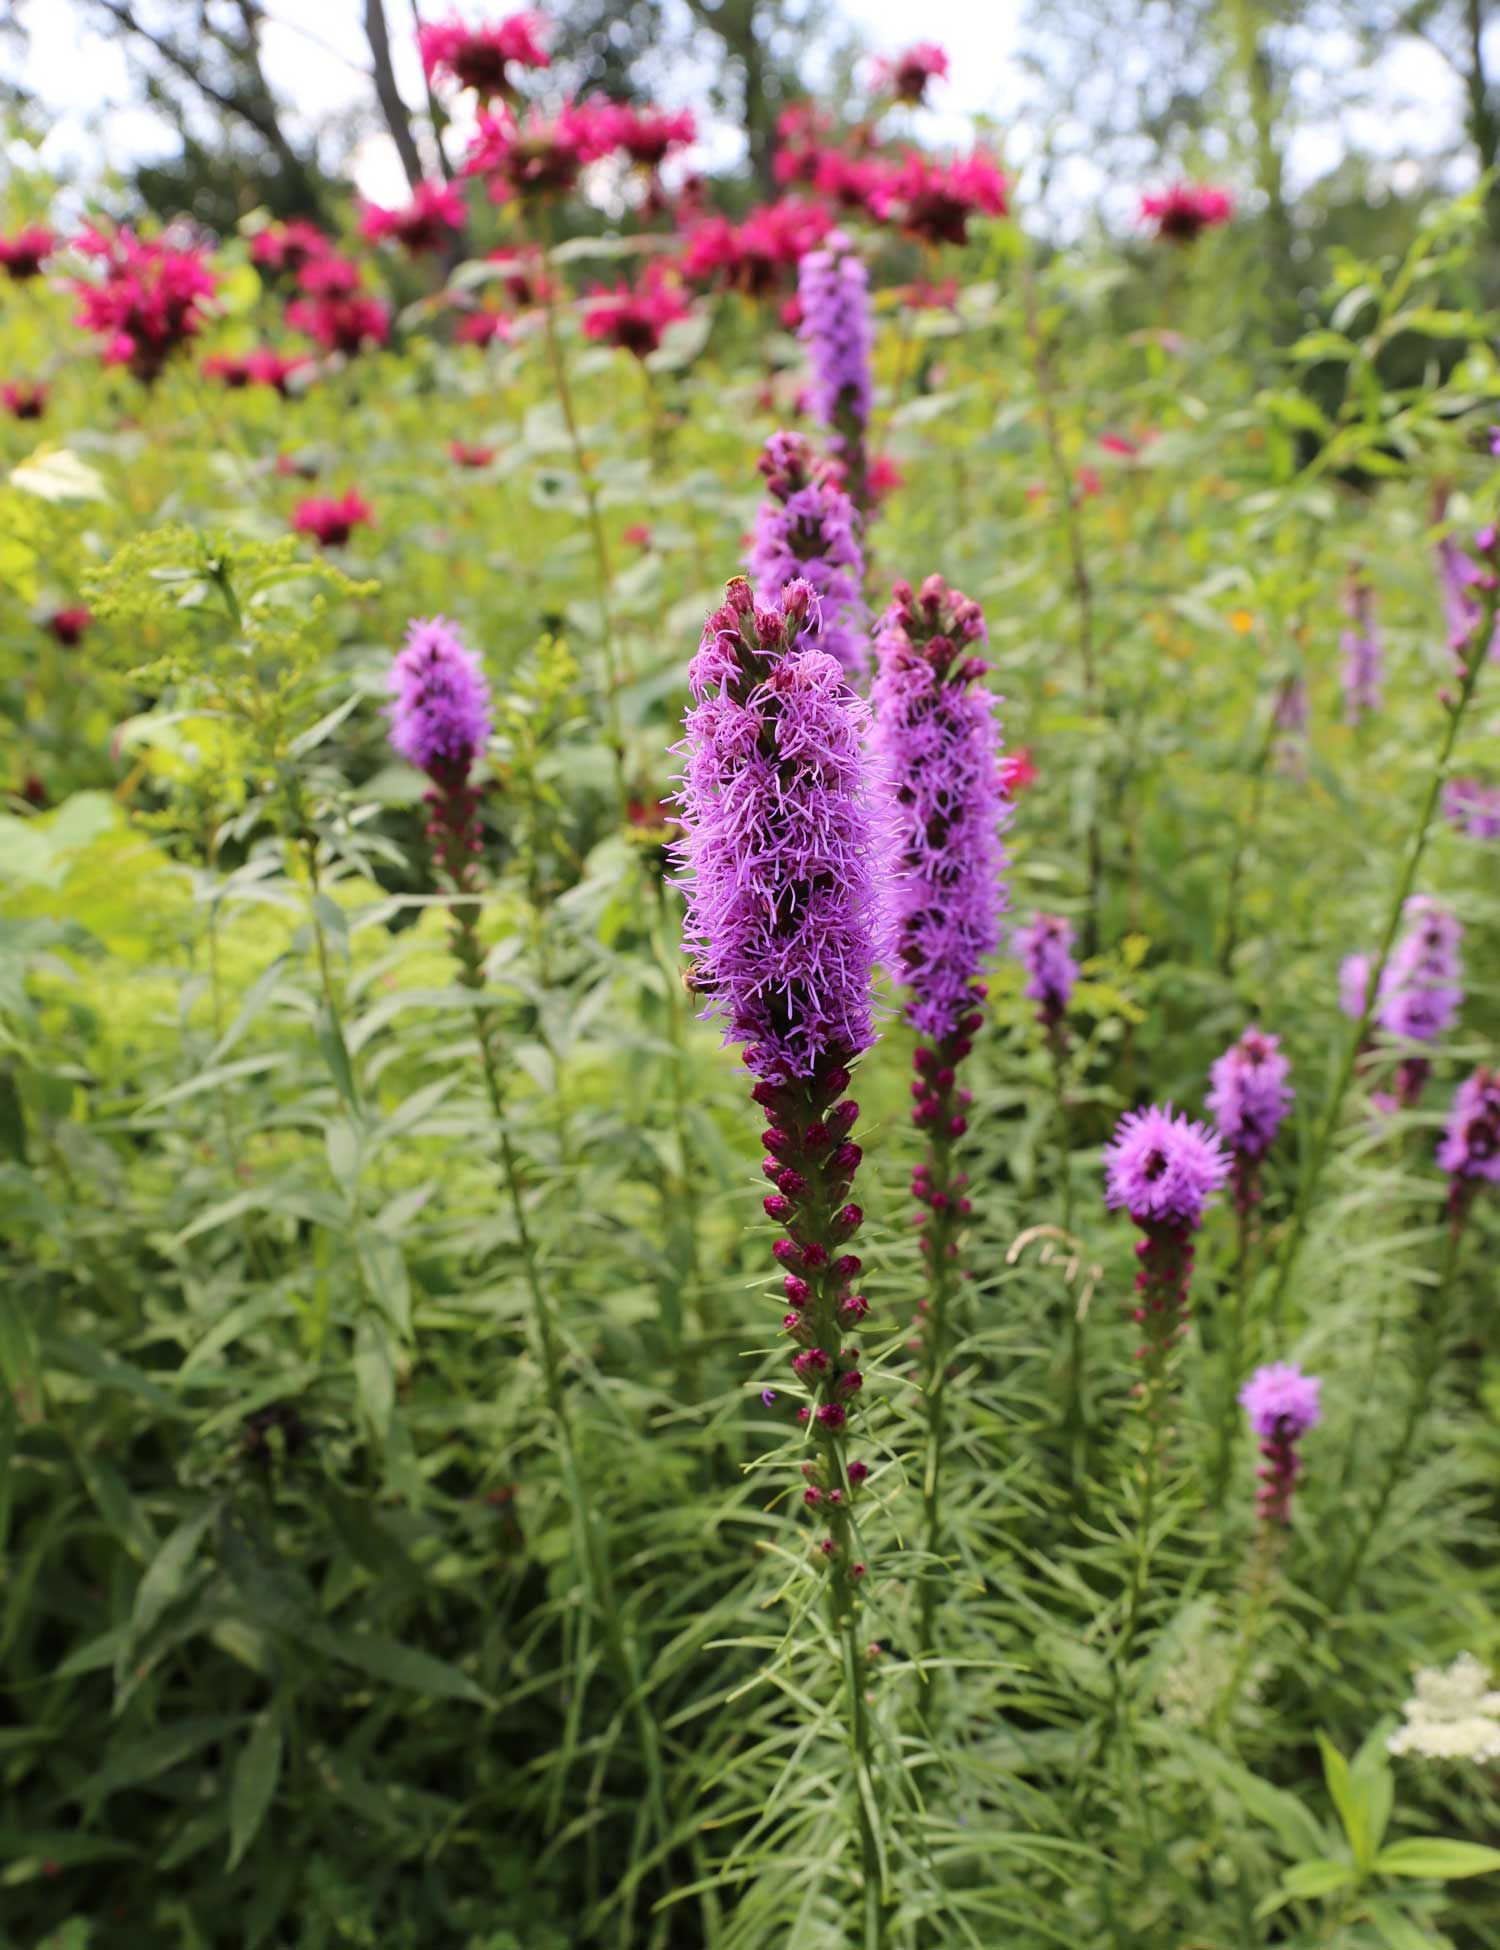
{"points": [[777, 850], [1249, 1093], [1470, 1144], [1281, 1401], [1473, 807], [1462, 581], [806, 527], [1045, 949], [834, 289], [1162, 1167], [1421, 990], [936, 761], [1364, 660], [440, 701]]}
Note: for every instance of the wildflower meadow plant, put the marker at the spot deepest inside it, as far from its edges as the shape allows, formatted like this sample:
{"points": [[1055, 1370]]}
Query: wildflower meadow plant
{"points": [[1469, 1149], [833, 286], [1281, 1404], [1453, 1714], [777, 863], [806, 529], [935, 754], [1364, 659]]}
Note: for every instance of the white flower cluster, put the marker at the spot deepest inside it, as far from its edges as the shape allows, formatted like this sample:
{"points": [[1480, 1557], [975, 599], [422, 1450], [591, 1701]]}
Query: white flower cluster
{"points": [[1453, 1716]]}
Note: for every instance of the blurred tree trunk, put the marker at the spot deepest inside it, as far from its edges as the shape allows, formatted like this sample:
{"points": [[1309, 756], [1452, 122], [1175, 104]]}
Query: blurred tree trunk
{"points": [[744, 27], [392, 107], [1484, 132]]}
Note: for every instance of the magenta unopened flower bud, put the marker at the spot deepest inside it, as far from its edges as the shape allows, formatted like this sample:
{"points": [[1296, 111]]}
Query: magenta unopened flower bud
{"points": [[791, 1182], [832, 1415], [814, 1256], [771, 1169], [777, 1207], [957, 1126], [816, 1138], [851, 1383], [842, 1116], [812, 1496], [853, 1310], [778, 1142], [788, 1252], [811, 1360], [923, 1058], [849, 1219], [845, 1161], [858, 1473], [846, 1267], [796, 1290]]}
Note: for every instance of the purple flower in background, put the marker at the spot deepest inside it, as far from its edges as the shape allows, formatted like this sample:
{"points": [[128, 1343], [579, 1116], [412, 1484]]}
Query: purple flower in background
{"points": [[1046, 950], [778, 846], [1291, 715], [806, 528], [1473, 807], [1462, 581], [836, 328], [1469, 1150], [440, 708], [1354, 985], [1163, 1168], [1421, 992], [1282, 1405], [935, 751], [1250, 1095], [1364, 659]]}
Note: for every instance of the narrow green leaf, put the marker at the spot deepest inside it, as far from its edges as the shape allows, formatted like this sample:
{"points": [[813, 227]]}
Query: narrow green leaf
{"points": [[1341, 1789], [1318, 1878], [168, 1570], [253, 1787]]}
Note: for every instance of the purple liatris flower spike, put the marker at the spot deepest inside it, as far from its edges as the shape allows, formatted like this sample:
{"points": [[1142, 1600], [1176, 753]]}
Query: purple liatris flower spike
{"points": [[1282, 1405], [1163, 1169], [806, 528], [1291, 716], [777, 843], [776, 858], [440, 720], [440, 709], [935, 752], [1473, 807], [836, 328], [1248, 1099], [1469, 1150], [1464, 583], [1420, 991], [1046, 949], [1363, 659]]}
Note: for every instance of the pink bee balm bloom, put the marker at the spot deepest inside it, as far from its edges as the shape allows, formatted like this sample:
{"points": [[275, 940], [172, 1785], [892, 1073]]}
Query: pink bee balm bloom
{"points": [[333, 522], [148, 298], [341, 324], [635, 320], [934, 201], [907, 76], [649, 135], [434, 213], [1018, 770], [24, 399], [70, 625], [288, 247], [482, 58], [538, 154], [464, 453], [760, 255], [1183, 212], [23, 254]]}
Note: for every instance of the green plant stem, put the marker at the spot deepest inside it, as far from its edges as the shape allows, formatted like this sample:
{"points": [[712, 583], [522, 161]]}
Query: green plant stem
{"points": [[1263, 1561], [1322, 1143], [1245, 833], [845, 1625], [604, 577], [1427, 1359], [1075, 1409], [935, 1335], [1234, 1345]]}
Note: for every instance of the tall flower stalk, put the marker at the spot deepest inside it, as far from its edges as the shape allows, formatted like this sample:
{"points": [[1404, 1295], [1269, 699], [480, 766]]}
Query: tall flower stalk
{"points": [[1249, 1097], [807, 529], [1163, 1170], [838, 331], [777, 859], [1471, 654], [440, 722], [936, 758]]}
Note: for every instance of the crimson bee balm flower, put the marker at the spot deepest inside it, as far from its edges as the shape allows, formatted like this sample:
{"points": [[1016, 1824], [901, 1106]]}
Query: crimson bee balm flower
{"points": [[70, 625], [908, 74], [538, 155], [933, 201], [147, 298], [483, 58], [635, 320], [333, 522], [776, 857], [24, 400], [23, 255], [435, 212], [1182, 213]]}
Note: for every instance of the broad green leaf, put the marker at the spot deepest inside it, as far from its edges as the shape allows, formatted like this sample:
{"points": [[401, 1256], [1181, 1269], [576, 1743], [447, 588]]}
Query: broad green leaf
{"points": [[1443, 1861], [1319, 1878], [1351, 1811]]}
